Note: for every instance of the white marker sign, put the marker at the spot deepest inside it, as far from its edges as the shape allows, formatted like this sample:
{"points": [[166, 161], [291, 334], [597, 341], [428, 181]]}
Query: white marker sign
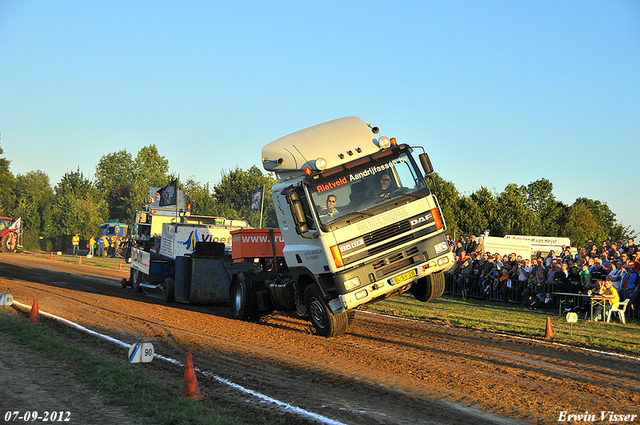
{"points": [[141, 352], [6, 299]]}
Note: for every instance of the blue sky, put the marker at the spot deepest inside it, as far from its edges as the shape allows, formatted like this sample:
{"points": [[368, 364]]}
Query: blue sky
{"points": [[498, 92]]}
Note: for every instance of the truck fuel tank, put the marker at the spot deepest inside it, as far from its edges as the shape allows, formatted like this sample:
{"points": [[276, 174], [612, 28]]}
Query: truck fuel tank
{"points": [[281, 291]]}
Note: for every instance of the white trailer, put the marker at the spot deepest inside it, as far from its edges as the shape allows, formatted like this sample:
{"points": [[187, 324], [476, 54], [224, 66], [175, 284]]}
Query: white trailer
{"points": [[545, 244], [506, 246]]}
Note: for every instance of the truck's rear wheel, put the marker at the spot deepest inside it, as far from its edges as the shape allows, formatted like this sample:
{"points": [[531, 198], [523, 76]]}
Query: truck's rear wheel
{"points": [[136, 280], [321, 317], [167, 290], [9, 242], [429, 287], [241, 306]]}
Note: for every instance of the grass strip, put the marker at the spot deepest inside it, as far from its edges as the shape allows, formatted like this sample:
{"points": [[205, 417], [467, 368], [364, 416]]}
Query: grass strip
{"points": [[103, 262], [123, 386], [515, 320]]}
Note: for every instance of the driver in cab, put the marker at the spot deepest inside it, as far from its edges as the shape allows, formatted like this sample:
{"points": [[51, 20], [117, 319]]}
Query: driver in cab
{"points": [[330, 210], [385, 189]]}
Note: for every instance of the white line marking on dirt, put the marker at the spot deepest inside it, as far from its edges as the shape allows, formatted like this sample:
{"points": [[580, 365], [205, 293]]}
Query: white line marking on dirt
{"points": [[280, 404]]}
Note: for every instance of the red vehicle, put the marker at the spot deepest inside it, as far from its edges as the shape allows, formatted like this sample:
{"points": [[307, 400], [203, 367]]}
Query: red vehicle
{"points": [[8, 235]]}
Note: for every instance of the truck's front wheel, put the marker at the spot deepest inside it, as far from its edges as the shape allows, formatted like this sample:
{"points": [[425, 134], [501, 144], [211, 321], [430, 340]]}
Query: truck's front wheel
{"points": [[429, 287], [241, 306], [325, 322]]}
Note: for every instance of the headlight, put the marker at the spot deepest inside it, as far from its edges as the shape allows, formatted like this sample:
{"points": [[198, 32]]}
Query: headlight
{"points": [[321, 164], [383, 142], [441, 247], [352, 283]]}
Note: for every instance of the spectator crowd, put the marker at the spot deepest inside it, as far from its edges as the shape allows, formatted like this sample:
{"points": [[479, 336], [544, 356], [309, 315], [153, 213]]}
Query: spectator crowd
{"points": [[508, 277]]}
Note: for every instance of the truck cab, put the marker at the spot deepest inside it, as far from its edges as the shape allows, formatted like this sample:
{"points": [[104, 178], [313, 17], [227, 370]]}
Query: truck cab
{"points": [[358, 220]]}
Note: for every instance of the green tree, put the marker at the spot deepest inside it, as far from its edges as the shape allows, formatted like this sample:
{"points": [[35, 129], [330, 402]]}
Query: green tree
{"points": [[115, 179], [513, 217], [547, 212], [472, 220], [488, 204], [232, 196], [77, 207], [448, 197], [125, 181], [113, 169], [199, 196], [35, 196], [7, 184], [619, 232], [603, 215], [582, 225], [150, 170], [121, 207]]}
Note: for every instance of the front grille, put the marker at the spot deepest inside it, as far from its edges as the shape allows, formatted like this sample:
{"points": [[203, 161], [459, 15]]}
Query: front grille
{"points": [[412, 251], [389, 245], [387, 232], [381, 238], [379, 263]]}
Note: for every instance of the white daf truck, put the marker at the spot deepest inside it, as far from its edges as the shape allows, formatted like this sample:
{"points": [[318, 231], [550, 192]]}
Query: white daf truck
{"points": [[359, 225]]}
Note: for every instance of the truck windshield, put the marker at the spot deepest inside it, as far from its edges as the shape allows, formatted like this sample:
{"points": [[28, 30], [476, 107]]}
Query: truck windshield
{"points": [[358, 190]]}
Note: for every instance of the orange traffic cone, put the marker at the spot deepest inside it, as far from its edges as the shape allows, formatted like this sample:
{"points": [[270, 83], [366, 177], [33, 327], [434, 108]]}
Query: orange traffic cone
{"points": [[51, 255], [120, 266], [549, 332], [34, 316], [190, 388], [79, 260]]}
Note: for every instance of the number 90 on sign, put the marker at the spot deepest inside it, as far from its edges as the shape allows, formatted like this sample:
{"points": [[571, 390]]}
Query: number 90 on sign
{"points": [[141, 352]]}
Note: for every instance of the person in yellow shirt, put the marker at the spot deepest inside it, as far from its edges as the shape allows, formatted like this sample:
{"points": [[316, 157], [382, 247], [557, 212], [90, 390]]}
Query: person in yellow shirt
{"points": [[609, 293], [75, 241], [106, 246], [330, 210], [92, 244]]}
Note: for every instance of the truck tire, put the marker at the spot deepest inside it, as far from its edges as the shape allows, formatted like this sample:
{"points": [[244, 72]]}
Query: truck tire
{"points": [[241, 306], [168, 294], [321, 317], [9, 242], [429, 287], [136, 280]]}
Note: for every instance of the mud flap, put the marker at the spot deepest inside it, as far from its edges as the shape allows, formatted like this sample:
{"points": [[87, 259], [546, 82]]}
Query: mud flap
{"points": [[336, 306]]}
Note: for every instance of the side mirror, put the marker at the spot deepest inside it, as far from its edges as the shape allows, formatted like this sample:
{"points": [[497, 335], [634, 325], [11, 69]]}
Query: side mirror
{"points": [[426, 163], [296, 210]]}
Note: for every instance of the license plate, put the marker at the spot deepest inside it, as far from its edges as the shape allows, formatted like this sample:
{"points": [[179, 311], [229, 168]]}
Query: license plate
{"points": [[404, 276]]}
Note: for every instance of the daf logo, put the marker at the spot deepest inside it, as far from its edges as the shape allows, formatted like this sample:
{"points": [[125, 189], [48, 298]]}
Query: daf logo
{"points": [[352, 245], [421, 220]]}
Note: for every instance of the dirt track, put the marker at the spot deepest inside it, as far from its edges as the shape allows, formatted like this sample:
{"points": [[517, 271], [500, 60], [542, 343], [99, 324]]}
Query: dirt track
{"points": [[383, 371]]}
